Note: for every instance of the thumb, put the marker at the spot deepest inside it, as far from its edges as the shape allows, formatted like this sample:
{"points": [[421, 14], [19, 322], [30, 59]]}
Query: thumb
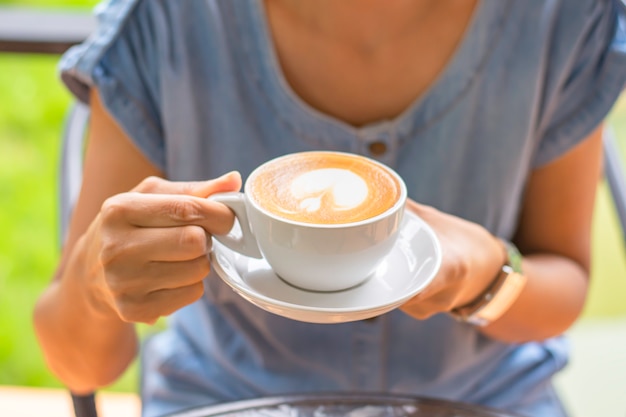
{"points": [[427, 213], [155, 185], [227, 182]]}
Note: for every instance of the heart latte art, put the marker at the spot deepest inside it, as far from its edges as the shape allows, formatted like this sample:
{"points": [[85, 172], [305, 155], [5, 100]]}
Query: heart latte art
{"points": [[323, 188]]}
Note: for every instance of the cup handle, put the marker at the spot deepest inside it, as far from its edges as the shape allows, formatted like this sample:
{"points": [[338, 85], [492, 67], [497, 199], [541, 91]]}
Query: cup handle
{"points": [[246, 242]]}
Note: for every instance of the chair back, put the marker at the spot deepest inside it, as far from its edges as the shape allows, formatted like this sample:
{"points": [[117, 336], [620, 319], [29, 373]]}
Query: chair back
{"points": [[70, 179]]}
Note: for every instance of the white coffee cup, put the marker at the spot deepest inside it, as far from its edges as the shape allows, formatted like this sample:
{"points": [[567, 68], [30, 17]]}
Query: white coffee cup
{"points": [[356, 227]]}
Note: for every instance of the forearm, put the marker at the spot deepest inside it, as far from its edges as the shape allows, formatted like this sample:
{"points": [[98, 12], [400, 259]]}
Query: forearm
{"points": [[550, 302], [556, 218], [84, 346]]}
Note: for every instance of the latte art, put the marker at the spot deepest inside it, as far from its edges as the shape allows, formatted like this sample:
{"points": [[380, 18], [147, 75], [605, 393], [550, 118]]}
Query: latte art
{"points": [[324, 188], [329, 189]]}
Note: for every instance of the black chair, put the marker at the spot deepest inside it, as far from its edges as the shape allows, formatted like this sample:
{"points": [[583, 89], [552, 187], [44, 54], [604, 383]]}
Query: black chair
{"points": [[84, 405], [70, 178], [615, 175]]}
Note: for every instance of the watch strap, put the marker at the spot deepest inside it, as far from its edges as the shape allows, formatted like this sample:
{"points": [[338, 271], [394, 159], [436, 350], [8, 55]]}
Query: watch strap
{"points": [[499, 296]]}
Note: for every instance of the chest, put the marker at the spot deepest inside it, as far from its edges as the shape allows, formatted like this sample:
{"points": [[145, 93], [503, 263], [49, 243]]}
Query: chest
{"points": [[360, 83]]}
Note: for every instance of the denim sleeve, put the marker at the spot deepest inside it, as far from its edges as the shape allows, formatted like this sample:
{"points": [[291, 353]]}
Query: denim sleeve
{"points": [[586, 73], [121, 60]]}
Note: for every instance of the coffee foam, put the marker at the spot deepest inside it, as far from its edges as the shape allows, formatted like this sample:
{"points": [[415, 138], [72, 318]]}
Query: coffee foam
{"points": [[340, 189], [324, 188]]}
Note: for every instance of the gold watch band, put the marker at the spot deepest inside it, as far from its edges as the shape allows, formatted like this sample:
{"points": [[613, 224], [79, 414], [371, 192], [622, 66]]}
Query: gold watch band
{"points": [[499, 296]]}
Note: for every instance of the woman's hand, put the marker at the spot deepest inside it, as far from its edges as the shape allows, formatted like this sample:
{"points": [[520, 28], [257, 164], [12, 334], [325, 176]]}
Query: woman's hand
{"points": [[146, 251], [471, 260], [554, 235]]}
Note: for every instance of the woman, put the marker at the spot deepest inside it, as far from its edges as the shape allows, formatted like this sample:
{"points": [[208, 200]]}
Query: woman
{"points": [[489, 110]]}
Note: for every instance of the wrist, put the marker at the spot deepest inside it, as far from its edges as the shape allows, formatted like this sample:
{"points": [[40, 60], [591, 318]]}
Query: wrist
{"points": [[483, 270], [82, 285], [499, 295]]}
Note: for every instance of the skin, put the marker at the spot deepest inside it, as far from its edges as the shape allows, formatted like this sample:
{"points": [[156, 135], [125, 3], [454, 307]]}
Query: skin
{"points": [[137, 243]]}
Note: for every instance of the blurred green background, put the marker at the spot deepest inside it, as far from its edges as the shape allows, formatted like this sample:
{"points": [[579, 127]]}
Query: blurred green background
{"points": [[32, 109]]}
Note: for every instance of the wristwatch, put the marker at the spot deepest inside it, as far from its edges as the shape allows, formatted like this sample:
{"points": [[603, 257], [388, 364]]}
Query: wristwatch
{"points": [[499, 296]]}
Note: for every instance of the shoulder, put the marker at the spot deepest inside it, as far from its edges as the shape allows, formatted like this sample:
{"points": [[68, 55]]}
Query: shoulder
{"points": [[566, 21], [116, 10], [573, 23], [160, 20], [144, 33], [581, 17], [155, 21], [584, 70]]}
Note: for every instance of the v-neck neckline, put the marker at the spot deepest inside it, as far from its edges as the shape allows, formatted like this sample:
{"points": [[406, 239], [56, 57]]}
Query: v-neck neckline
{"points": [[461, 69]]}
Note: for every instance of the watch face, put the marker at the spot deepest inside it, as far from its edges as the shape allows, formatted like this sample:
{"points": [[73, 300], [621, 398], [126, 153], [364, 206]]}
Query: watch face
{"points": [[515, 257]]}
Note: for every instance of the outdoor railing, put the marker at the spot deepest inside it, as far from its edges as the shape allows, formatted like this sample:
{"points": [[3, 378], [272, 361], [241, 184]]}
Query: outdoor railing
{"points": [[52, 31]]}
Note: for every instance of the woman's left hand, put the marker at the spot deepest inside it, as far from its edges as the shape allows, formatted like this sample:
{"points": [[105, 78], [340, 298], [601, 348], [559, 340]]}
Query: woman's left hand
{"points": [[471, 260]]}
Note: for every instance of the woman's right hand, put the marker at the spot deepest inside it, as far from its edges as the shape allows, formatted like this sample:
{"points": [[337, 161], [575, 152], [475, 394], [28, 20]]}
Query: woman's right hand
{"points": [[145, 253]]}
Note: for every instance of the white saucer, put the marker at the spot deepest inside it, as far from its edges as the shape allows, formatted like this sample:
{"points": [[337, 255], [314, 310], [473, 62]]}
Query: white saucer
{"points": [[409, 268]]}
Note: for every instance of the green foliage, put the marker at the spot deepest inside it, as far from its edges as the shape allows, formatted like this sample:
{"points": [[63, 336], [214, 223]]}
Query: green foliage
{"points": [[32, 109], [32, 106], [49, 3], [608, 271]]}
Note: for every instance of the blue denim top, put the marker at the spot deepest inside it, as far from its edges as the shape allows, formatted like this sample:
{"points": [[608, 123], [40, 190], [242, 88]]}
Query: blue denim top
{"points": [[197, 86]]}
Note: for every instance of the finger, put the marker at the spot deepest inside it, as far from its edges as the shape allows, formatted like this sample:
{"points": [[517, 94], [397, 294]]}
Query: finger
{"points": [[420, 311], [166, 244], [159, 303], [428, 213], [171, 275], [132, 282], [155, 185], [167, 210], [170, 300], [424, 306]]}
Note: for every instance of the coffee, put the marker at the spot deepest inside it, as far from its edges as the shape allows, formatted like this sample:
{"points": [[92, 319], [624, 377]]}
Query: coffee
{"points": [[323, 221], [324, 188]]}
